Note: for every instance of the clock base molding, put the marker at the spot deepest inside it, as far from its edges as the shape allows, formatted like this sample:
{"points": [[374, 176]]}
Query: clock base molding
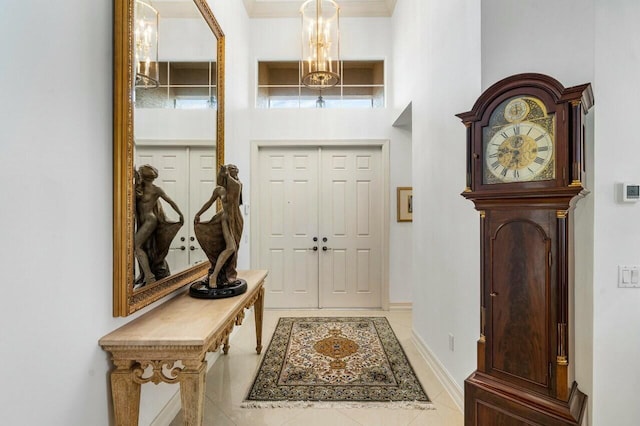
{"points": [[493, 402]]}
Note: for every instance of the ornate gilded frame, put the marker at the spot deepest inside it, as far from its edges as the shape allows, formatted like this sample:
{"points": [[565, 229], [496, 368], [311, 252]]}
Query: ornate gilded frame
{"points": [[125, 299], [405, 204]]}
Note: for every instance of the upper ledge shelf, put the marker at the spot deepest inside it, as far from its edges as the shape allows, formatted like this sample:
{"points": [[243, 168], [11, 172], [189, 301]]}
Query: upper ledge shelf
{"points": [[404, 119]]}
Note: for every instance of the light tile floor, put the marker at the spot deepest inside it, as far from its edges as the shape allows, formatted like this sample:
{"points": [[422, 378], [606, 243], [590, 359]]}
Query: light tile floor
{"points": [[229, 379]]}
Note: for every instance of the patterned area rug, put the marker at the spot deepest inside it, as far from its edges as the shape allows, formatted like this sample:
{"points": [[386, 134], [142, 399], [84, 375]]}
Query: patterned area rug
{"points": [[335, 362]]}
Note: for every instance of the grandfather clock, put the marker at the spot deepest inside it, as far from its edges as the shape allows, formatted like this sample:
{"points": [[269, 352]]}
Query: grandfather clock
{"points": [[525, 173]]}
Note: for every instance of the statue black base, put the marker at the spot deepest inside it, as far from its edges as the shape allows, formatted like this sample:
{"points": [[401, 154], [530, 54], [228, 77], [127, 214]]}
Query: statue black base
{"points": [[201, 289]]}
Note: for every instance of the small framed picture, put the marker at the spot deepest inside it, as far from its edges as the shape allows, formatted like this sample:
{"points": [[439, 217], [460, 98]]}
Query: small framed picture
{"points": [[405, 204]]}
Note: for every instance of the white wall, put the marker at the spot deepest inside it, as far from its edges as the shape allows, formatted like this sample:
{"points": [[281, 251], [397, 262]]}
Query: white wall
{"points": [[55, 165], [592, 42], [542, 36], [235, 24], [400, 80], [616, 340], [279, 39], [56, 169], [159, 124], [437, 47], [581, 42], [547, 52], [185, 39]]}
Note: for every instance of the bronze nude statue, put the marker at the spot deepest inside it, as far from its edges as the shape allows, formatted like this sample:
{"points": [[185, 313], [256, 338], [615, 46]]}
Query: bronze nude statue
{"points": [[220, 238], [154, 232]]}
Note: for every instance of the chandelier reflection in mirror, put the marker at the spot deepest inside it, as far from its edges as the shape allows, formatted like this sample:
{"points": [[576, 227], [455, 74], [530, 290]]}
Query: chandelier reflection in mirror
{"points": [[320, 60], [146, 45]]}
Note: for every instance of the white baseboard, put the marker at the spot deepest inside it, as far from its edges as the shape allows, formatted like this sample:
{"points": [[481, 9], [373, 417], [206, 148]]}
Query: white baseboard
{"points": [[400, 306], [168, 412], [449, 383]]}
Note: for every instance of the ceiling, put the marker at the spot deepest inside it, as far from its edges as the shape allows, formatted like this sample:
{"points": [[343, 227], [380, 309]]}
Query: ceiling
{"points": [[291, 8]]}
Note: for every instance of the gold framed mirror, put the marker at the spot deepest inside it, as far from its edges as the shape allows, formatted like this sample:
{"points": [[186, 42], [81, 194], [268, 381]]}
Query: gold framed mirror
{"points": [[168, 113]]}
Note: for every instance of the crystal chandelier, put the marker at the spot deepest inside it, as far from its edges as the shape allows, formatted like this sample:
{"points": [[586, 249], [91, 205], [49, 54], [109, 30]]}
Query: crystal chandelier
{"points": [[320, 61], [146, 45]]}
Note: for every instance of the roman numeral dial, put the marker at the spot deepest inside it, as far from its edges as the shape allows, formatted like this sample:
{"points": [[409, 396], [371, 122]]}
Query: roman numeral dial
{"points": [[519, 152]]}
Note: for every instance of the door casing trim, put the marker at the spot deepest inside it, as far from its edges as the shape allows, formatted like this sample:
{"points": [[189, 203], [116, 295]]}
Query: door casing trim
{"points": [[383, 144]]}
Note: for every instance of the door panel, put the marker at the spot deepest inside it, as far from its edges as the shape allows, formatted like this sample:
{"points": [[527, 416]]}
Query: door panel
{"points": [[334, 194], [521, 340], [351, 218], [288, 224], [520, 309], [187, 175], [172, 166], [202, 181]]}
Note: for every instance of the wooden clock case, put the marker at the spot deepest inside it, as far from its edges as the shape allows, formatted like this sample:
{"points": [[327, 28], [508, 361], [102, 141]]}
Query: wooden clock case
{"points": [[525, 371]]}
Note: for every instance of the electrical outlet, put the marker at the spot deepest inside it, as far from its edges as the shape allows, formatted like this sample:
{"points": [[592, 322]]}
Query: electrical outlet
{"points": [[451, 342], [629, 276]]}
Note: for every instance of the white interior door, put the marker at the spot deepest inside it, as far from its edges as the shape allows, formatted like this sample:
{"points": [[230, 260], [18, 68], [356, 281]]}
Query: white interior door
{"points": [[324, 193], [351, 220], [288, 211], [172, 165], [188, 176], [202, 181]]}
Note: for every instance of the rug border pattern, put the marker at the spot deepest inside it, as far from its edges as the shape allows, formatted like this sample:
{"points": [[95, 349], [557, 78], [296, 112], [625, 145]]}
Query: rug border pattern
{"points": [[408, 394]]}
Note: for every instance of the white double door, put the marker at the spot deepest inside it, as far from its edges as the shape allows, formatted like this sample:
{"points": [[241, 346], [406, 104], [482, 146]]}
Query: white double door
{"points": [[321, 218], [187, 175]]}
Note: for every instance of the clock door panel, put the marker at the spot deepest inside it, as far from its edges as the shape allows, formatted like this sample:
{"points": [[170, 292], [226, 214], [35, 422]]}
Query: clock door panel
{"points": [[519, 289]]}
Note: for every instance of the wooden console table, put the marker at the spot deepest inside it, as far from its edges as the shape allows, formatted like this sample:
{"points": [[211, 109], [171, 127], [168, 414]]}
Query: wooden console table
{"points": [[182, 330]]}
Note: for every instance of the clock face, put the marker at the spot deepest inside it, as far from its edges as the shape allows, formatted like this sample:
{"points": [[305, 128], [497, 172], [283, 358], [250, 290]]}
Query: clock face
{"points": [[519, 142], [516, 110]]}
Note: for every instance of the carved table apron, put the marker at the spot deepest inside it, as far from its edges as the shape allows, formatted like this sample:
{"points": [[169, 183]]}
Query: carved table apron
{"points": [[182, 329]]}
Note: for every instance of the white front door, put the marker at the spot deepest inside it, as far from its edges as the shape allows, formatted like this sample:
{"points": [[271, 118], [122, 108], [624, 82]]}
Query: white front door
{"points": [[320, 226], [288, 214], [188, 177], [351, 220], [202, 181], [172, 165]]}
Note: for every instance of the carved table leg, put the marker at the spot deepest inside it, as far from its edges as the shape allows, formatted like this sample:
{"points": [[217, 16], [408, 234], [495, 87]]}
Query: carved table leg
{"points": [[225, 348], [192, 383], [258, 309], [125, 393]]}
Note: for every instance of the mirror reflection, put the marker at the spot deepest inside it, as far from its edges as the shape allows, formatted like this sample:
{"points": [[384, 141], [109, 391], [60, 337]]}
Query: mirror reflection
{"points": [[174, 132]]}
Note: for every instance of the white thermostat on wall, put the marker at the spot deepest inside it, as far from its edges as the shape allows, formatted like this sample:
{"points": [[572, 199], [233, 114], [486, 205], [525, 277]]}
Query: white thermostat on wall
{"points": [[630, 192]]}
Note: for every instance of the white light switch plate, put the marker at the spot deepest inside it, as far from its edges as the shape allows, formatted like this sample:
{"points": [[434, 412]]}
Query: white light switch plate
{"points": [[629, 276]]}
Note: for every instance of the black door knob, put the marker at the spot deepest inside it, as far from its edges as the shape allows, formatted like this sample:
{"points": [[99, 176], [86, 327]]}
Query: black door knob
{"points": [[183, 248], [315, 238], [192, 248], [324, 239], [181, 238]]}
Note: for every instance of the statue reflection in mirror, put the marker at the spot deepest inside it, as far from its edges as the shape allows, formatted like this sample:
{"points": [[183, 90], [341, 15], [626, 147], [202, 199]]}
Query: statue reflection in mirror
{"points": [[220, 238], [154, 232]]}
